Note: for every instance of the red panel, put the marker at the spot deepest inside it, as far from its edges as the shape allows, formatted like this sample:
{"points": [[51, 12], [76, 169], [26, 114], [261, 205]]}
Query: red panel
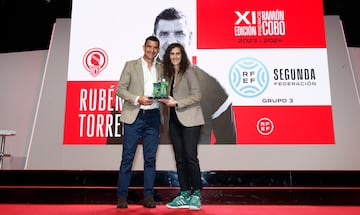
{"points": [[290, 125], [262, 24], [89, 105]]}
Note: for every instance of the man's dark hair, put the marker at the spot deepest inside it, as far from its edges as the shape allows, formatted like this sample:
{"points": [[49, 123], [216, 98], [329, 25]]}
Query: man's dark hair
{"points": [[152, 38], [168, 14]]}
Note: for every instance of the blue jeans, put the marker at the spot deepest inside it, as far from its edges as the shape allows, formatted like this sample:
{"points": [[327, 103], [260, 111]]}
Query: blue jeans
{"points": [[146, 126]]}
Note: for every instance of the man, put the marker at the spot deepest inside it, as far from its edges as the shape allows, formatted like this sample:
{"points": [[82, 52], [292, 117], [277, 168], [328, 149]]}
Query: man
{"points": [[141, 119], [171, 26]]}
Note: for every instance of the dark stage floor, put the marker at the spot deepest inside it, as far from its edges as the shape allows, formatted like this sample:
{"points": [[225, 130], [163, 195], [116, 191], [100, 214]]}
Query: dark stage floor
{"points": [[227, 187]]}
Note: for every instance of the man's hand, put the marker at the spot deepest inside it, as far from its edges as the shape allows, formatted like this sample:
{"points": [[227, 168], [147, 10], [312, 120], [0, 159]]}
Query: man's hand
{"points": [[144, 100]]}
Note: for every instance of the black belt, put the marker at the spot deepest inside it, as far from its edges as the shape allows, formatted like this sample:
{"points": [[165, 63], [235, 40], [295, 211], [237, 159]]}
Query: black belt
{"points": [[154, 110]]}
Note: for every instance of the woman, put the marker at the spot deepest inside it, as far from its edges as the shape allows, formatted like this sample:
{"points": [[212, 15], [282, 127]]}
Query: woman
{"points": [[185, 120]]}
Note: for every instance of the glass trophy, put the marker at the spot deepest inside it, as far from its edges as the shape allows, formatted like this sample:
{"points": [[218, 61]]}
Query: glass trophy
{"points": [[160, 90]]}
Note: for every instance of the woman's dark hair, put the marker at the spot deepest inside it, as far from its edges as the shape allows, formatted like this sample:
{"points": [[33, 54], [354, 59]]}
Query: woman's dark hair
{"points": [[168, 66]]}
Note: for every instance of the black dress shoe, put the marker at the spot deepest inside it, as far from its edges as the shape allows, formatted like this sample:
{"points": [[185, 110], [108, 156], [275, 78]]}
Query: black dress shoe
{"points": [[122, 202], [149, 202]]}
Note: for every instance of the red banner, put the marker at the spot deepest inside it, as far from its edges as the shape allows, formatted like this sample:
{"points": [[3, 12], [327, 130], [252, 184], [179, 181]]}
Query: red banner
{"points": [[284, 124], [92, 113], [260, 24]]}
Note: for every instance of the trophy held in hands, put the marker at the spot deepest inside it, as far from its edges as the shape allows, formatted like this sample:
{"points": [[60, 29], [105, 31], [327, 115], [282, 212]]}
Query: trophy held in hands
{"points": [[160, 90]]}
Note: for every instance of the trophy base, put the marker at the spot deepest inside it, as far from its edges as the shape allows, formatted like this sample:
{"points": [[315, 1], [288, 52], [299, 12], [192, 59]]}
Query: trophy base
{"points": [[158, 97]]}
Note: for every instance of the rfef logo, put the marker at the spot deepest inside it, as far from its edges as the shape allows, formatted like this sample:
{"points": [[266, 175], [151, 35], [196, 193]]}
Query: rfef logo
{"points": [[248, 77], [265, 126]]}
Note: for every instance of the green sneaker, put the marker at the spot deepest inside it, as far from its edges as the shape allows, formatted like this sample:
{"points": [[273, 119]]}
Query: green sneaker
{"points": [[195, 202], [181, 201]]}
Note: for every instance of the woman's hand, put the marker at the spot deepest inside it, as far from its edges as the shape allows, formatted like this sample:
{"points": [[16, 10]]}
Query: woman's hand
{"points": [[170, 102]]}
